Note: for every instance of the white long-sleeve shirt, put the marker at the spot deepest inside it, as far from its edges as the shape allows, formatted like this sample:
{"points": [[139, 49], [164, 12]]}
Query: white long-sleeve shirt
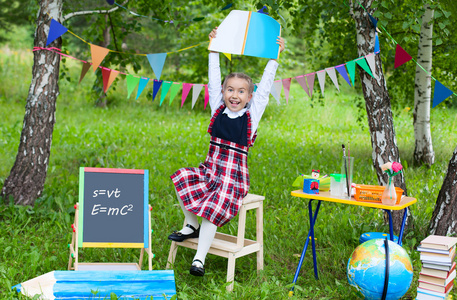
{"points": [[258, 102]]}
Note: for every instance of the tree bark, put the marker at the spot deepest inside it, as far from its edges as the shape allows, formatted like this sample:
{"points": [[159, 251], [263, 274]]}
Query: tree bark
{"points": [[444, 217], [26, 180], [423, 151], [377, 102]]}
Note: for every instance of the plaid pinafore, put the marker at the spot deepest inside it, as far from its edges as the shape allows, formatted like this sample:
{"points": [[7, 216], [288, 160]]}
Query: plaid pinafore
{"points": [[216, 188]]}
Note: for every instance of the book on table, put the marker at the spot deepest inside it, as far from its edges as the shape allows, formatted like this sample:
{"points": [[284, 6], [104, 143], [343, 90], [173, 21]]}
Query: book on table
{"points": [[424, 294], [438, 242], [437, 273], [437, 280], [435, 287]]}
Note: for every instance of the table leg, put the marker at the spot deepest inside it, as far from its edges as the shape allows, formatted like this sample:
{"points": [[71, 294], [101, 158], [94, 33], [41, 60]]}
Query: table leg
{"points": [[400, 235], [391, 229], [312, 221]]}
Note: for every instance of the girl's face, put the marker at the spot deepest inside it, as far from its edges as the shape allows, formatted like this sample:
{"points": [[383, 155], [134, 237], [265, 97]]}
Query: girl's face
{"points": [[236, 94]]}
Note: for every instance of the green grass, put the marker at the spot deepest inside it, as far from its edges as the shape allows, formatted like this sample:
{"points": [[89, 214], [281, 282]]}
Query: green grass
{"points": [[139, 134]]}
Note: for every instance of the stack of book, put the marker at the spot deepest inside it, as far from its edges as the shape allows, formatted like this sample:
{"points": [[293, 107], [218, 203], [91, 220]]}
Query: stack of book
{"points": [[436, 279]]}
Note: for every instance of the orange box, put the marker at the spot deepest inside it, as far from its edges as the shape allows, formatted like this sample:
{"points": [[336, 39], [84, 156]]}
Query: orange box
{"points": [[373, 193]]}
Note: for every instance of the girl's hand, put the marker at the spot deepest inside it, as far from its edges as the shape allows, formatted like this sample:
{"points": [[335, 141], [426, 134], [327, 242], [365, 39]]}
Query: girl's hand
{"points": [[213, 33], [280, 42]]}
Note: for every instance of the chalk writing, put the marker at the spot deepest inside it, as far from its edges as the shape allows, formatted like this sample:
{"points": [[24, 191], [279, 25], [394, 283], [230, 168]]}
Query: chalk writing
{"points": [[111, 211], [110, 193]]}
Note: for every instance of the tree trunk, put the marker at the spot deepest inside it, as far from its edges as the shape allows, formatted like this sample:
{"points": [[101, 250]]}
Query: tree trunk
{"points": [[444, 217], [377, 102], [423, 151], [26, 180]]}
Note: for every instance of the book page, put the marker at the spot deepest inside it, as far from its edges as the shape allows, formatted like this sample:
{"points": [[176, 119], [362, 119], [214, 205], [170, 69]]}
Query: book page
{"points": [[262, 34], [230, 34]]}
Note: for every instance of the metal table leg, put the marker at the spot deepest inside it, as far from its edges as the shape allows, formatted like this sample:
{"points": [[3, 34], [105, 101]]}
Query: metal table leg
{"points": [[400, 236]]}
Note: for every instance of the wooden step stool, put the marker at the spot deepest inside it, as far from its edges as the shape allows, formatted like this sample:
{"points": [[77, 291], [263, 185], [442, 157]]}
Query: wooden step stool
{"points": [[230, 246]]}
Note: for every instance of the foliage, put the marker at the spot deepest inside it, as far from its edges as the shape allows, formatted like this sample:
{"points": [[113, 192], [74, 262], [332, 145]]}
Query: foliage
{"points": [[293, 138]]}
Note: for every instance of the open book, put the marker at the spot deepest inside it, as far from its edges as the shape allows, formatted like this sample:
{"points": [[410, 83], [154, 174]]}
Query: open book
{"points": [[247, 33]]}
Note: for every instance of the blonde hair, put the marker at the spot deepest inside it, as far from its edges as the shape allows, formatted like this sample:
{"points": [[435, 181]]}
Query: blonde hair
{"points": [[241, 76]]}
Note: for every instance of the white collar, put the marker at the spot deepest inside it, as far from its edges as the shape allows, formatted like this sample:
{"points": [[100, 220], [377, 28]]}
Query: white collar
{"points": [[234, 114]]}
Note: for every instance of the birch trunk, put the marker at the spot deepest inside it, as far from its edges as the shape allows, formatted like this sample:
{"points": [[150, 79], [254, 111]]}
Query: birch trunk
{"points": [[377, 103], [444, 217], [26, 180], [423, 151]]}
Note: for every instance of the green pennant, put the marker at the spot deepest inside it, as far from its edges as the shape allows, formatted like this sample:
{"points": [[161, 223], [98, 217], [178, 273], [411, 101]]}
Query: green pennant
{"points": [[363, 63], [132, 82], [165, 87], [175, 87], [351, 69]]}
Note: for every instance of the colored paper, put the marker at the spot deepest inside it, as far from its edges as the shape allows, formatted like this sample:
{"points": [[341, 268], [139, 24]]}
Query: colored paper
{"points": [[351, 69], [286, 84], [247, 33], [98, 54], [165, 87], [302, 81], [86, 67], [401, 56], [195, 92], [321, 78], [332, 74], [363, 63], [155, 88], [143, 82], [157, 60], [55, 31], [132, 82], [185, 91], [342, 70], [371, 62], [206, 96], [440, 93], [276, 90], [174, 91], [310, 78]]}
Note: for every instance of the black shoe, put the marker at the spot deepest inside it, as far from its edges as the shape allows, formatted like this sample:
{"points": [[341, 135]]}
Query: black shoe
{"points": [[197, 271], [177, 236]]}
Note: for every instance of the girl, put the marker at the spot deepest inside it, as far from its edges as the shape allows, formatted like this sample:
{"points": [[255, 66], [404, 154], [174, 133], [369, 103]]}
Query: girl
{"points": [[215, 189]]}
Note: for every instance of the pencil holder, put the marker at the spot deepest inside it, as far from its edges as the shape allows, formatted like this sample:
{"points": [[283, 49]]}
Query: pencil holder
{"points": [[310, 186]]}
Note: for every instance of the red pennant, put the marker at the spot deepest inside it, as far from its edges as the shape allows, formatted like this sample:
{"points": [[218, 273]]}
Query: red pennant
{"points": [[401, 56], [105, 74], [206, 96], [286, 84]]}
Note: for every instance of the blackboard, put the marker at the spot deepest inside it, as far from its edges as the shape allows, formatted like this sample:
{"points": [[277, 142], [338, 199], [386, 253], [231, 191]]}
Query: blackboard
{"points": [[113, 208]]}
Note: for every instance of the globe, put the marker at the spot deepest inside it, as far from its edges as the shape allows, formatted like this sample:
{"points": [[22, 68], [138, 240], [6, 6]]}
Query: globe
{"points": [[367, 267]]}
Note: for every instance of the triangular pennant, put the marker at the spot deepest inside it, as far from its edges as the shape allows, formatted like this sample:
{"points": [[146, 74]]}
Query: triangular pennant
{"points": [[174, 91], [156, 88], [98, 54], [321, 78], [132, 82], [143, 82], [165, 87], [113, 74], [55, 31], [185, 91], [206, 96], [332, 74], [195, 92], [286, 84], [157, 60], [351, 69], [105, 75], [310, 78], [440, 93], [342, 70], [276, 90], [86, 67], [228, 55], [376, 44], [373, 20], [401, 56], [302, 81], [371, 62], [363, 63], [255, 87]]}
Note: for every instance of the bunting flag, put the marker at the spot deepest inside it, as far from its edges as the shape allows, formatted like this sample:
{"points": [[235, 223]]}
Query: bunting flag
{"points": [[286, 84], [228, 55], [302, 81], [440, 93], [373, 20], [155, 88], [174, 91], [401, 56], [331, 73], [321, 78], [86, 67], [372, 63], [132, 82], [56, 30], [276, 90], [185, 91], [195, 92], [255, 87], [157, 60], [376, 44], [165, 87], [342, 70], [108, 78], [363, 63], [206, 96], [98, 54], [310, 78], [143, 82], [351, 69]]}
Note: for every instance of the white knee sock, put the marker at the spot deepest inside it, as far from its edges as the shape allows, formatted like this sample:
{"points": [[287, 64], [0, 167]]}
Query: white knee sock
{"points": [[207, 233], [190, 217]]}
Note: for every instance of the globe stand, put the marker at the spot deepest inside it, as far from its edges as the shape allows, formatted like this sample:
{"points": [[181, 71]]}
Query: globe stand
{"points": [[386, 279]]}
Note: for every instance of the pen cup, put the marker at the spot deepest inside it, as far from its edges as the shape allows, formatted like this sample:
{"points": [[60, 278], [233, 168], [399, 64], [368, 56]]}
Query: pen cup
{"points": [[336, 184], [347, 168]]}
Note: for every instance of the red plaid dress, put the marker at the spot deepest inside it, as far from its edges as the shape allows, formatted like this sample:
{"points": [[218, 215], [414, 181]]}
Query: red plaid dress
{"points": [[216, 188]]}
